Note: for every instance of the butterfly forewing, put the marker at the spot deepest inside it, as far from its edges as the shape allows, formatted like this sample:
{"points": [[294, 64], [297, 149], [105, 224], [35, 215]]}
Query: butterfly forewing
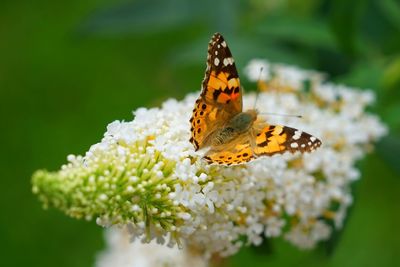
{"points": [[221, 95], [221, 83]]}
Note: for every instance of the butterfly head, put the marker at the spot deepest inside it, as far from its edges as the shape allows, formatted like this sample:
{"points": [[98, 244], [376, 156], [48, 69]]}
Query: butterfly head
{"points": [[252, 113]]}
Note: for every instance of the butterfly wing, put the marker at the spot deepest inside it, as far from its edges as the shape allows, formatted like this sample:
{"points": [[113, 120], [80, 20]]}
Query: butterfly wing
{"points": [[221, 85], [238, 151], [274, 139], [221, 95], [263, 140]]}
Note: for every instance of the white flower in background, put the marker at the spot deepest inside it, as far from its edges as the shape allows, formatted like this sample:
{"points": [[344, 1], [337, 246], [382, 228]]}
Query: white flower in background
{"points": [[281, 76], [146, 176], [121, 252]]}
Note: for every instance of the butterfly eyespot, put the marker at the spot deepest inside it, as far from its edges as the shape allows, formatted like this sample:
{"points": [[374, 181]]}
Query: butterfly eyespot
{"points": [[245, 154], [238, 156], [204, 106], [201, 113], [221, 157], [198, 121], [199, 130]]}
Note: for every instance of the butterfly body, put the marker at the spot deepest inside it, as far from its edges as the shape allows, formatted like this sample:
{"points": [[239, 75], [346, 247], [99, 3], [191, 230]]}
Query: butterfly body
{"points": [[219, 123], [238, 125]]}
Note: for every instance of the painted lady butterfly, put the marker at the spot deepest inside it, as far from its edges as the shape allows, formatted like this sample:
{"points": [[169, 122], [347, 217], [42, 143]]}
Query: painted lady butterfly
{"points": [[218, 122]]}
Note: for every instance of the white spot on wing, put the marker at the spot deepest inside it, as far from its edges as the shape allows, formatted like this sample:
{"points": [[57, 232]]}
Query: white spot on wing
{"points": [[216, 61], [294, 145], [297, 134], [312, 138], [228, 61], [223, 44]]}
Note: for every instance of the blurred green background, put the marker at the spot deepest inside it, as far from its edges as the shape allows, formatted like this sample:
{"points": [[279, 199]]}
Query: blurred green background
{"points": [[68, 68]]}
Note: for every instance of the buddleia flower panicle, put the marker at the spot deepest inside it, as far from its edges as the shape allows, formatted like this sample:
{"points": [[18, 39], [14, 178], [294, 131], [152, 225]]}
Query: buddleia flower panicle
{"points": [[120, 251], [145, 176]]}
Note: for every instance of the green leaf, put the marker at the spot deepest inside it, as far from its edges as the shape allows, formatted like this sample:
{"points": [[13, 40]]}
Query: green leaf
{"points": [[391, 11], [265, 248], [388, 149], [154, 16], [391, 113], [244, 48], [311, 32], [391, 77], [333, 242], [367, 74], [144, 17], [303, 8], [344, 20]]}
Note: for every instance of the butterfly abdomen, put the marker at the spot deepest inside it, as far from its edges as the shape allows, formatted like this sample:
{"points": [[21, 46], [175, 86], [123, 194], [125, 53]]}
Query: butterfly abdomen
{"points": [[239, 124]]}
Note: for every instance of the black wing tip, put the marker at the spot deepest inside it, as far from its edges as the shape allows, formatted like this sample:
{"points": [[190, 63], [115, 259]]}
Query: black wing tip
{"points": [[217, 35], [217, 38]]}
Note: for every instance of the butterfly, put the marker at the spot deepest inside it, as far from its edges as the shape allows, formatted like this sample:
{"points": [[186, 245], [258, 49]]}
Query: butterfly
{"points": [[232, 135]]}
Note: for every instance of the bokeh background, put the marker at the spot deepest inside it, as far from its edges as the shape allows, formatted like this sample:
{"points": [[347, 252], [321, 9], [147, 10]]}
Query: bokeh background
{"points": [[68, 68]]}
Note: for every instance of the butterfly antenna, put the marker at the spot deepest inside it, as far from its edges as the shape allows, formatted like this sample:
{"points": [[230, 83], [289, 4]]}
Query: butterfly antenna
{"points": [[258, 90], [278, 114]]}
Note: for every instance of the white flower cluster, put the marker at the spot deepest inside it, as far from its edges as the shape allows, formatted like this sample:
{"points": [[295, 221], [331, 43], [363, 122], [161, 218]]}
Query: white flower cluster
{"points": [[227, 203], [281, 76], [122, 252], [218, 209]]}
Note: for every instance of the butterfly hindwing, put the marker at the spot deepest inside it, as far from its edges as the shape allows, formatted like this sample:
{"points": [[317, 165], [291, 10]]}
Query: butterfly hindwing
{"points": [[238, 151], [201, 126]]}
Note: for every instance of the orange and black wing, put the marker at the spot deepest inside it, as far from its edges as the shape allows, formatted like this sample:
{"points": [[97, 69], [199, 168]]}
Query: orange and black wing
{"points": [[274, 139], [263, 140], [221, 95], [238, 151]]}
